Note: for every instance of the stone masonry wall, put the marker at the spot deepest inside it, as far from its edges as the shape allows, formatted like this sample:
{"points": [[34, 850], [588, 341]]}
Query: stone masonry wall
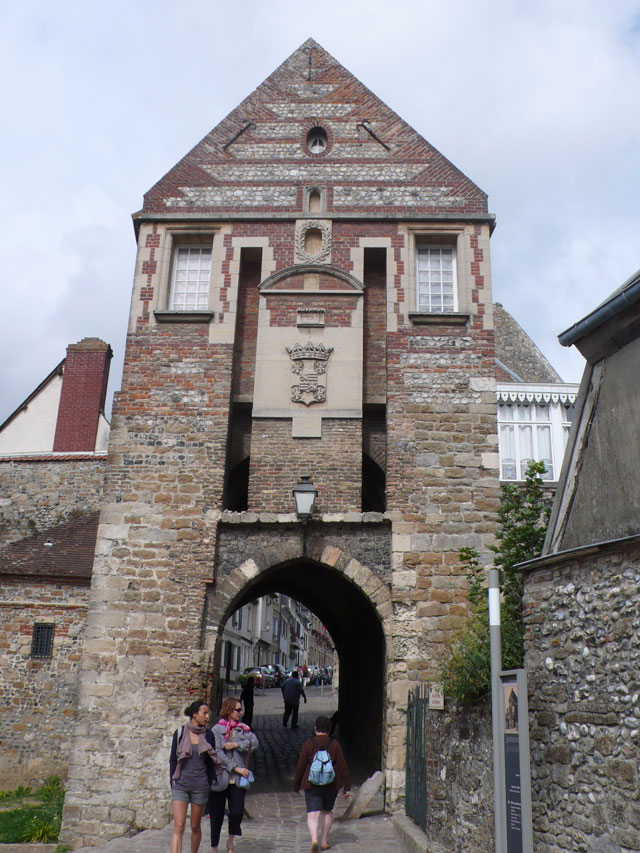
{"points": [[38, 493], [583, 662], [38, 696], [459, 779], [142, 656]]}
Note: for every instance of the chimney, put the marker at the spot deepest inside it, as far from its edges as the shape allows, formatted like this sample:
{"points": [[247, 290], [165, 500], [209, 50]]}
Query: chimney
{"points": [[83, 394]]}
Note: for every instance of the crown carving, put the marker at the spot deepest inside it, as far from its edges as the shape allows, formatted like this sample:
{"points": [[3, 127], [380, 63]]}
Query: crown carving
{"points": [[309, 350]]}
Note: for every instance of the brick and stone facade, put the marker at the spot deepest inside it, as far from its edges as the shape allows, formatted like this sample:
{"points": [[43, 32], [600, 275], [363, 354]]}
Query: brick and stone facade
{"points": [[309, 356]]}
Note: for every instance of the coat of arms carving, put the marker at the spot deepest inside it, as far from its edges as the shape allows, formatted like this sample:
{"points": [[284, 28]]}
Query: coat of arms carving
{"points": [[309, 364]]}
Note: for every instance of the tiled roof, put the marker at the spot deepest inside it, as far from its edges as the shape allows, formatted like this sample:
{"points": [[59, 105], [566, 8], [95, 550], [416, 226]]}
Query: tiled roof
{"points": [[64, 552], [54, 457]]}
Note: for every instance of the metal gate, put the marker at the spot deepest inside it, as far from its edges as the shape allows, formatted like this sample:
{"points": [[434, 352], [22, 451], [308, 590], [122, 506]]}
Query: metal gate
{"points": [[416, 773]]}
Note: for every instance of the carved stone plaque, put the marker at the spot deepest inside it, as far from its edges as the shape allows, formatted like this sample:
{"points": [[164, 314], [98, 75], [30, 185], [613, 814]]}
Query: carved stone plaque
{"points": [[309, 365]]}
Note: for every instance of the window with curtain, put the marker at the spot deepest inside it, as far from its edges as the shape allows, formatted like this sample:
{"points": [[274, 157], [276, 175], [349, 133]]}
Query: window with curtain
{"points": [[525, 435]]}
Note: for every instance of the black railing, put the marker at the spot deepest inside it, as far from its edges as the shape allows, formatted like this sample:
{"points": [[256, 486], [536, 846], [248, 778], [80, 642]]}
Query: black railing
{"points": [[416, 777]]}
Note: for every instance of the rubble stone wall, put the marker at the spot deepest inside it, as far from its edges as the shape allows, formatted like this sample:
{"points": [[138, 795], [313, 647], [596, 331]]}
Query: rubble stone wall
{"points": [[583, 662], [38, 695], [36, 494], [460, 779]]}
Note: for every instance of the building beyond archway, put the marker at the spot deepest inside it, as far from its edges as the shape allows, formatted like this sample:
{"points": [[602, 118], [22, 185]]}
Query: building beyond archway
{"points": [[299, 307]]}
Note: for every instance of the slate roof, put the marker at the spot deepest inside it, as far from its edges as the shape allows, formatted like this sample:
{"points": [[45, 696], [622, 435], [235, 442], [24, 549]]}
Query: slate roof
{"points": [[68, 558], [516, 351]]}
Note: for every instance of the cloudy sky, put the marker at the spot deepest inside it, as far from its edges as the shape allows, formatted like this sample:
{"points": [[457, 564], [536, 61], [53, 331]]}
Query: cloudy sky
{"points": [[536, 102]]}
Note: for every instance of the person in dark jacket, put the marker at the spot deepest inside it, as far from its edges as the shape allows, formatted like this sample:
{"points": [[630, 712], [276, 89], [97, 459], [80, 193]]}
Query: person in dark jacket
{"points": [[320, 799], [246, 697], [292, 690], [192, 769]]}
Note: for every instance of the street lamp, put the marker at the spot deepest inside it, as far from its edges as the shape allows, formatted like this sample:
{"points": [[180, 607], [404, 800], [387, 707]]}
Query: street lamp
{"points": [[305, 494]]}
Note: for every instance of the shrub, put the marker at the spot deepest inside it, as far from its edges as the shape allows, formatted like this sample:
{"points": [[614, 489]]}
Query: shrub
{"points": [[522, 523]]}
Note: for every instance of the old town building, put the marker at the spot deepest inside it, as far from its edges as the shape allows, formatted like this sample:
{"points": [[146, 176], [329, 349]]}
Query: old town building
{"points": [[311, 298]]}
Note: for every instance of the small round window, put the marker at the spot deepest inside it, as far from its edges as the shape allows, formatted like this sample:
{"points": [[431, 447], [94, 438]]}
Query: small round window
{"points": [[317, 140]]}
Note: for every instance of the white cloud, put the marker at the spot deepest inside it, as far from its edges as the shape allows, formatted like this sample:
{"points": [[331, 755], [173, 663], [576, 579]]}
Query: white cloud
{"points": [[537, 103]]}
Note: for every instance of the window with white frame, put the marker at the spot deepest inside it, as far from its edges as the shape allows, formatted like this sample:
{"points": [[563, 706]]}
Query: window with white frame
{"points": [[190, 278], [525, 436], [436, 290]]}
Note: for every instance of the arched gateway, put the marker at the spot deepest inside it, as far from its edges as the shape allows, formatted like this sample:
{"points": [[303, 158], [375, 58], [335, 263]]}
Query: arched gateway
{"points": [[297, 309], [355, 606]]}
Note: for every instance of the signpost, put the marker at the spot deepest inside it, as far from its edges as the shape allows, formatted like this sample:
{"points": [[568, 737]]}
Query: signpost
{"points": [[517, 773], [511, 769]]}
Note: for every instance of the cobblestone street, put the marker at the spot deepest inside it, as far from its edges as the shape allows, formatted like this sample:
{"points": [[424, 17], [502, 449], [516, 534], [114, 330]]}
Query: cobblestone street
{"points": [[276, 816]]}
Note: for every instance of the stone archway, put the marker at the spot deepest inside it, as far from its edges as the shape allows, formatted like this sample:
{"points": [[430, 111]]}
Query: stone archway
{"points": [[355, 606]]}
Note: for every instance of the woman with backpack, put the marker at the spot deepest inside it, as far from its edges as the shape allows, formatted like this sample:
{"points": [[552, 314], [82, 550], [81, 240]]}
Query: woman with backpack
{"points": [[192, 769], [321, 772]]}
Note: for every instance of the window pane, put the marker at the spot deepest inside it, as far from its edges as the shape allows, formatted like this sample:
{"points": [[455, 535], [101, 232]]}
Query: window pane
{"points": [[435, 279], [192, 271]]}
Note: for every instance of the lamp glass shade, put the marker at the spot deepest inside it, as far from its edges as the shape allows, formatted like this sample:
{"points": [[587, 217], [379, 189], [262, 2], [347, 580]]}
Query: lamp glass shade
{"points": [[305, 494]]}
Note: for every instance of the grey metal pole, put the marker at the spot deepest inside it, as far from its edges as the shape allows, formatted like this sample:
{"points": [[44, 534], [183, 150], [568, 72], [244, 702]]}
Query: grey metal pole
{"points": [[496, 669]]}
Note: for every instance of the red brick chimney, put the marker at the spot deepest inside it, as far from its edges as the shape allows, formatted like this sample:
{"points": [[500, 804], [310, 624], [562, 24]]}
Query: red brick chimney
{"points": [[84, 390]]}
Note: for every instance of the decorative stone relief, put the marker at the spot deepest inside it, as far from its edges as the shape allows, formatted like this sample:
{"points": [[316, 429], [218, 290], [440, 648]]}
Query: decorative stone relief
{"points": [[314, 241], [309, 364], [310, 317]]}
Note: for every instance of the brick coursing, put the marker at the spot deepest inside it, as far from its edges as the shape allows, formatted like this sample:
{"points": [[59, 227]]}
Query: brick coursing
{"points": [[278, 461], [83, 394]]}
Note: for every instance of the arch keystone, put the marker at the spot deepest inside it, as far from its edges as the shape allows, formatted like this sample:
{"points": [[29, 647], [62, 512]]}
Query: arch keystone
{"points": [[249, 569]]}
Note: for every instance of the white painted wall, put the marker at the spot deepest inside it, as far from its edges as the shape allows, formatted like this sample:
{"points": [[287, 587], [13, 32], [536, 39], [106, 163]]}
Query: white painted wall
{"points": [[33, 430]]}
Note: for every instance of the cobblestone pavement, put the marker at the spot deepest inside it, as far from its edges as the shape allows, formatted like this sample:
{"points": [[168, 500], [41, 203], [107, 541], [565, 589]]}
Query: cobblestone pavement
{"points": [[276, 816]]}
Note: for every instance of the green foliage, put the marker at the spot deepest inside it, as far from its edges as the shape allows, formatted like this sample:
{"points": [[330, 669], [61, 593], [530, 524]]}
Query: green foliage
{"points": [[51, 791], [63, 848], [32, 822], [43, 826], [522, 523], [17, 794]]}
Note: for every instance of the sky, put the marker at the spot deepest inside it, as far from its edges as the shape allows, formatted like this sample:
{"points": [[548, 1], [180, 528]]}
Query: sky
{"points": [[537, 102]]}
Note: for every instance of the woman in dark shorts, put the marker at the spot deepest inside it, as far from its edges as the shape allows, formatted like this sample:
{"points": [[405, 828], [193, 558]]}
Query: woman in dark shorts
{"points": [[321, 799], [191, 771]]}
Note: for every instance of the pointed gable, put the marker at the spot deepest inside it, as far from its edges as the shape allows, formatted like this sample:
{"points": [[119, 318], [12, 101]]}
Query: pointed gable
{"points": [[257, 160]]}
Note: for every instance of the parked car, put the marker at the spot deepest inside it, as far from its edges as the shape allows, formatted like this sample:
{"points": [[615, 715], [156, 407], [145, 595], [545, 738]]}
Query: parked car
{"points": [[269, 676], [256, 672], [280, 673]]}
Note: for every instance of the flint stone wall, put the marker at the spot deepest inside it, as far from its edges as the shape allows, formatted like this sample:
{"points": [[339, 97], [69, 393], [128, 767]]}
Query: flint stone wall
{"points": [[583, 662]]}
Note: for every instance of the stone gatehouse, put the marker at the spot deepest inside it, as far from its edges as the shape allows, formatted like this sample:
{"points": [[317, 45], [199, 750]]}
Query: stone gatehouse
{"points": [[311, 297]]}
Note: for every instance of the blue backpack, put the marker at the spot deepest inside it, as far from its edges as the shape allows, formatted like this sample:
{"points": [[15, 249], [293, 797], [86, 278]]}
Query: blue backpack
{"points": [[321, 771]]}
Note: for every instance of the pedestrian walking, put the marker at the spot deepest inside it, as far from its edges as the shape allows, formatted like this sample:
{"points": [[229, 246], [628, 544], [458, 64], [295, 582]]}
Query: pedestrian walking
{"points": [[321, 772], [234, 742], [292, 690], [246, 697], [192, 770]]}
